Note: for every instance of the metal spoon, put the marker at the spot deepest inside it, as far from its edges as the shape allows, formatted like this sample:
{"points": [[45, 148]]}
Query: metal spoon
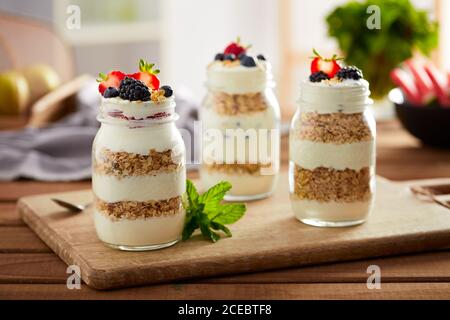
{"points": [[70, 206]]}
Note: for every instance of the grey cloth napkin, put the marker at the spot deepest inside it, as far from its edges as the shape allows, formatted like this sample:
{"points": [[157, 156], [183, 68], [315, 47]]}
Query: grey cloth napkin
{"points": [[62, 151]]}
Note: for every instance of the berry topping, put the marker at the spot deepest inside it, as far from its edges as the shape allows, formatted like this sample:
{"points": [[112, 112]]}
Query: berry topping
{"points": [[230, 57], [329, 66], [133, 90], [111, 79], [351, 72], [111, 92], [318, 76], [147, 75], [219, 56], [261, 57], [168, 92], [248, 61], [235, 48], [241, 55]]}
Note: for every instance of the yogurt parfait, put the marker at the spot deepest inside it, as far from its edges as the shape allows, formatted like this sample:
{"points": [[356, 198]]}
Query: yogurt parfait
{"points": [[138, 172], [240, 117], [332, 147]]}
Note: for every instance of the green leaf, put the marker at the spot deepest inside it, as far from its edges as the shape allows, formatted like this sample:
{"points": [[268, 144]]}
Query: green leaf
{"points": [[144, 66], [189, 228], [101, 77], [218, 226], [192, 194], [229, 213], [215, 194], [209, 234]]}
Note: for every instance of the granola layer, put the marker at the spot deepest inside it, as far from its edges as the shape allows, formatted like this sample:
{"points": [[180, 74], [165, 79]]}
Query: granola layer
{"points": [[138, 209], [125, 164], [326, 184], [235, 168], [336, 128], [233, 104]]}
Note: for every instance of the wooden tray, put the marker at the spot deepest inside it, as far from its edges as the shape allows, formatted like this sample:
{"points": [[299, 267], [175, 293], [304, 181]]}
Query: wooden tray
{"points": [[268, 237]]}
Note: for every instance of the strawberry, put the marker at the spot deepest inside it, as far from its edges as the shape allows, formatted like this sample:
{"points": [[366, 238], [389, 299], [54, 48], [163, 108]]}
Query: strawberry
{"points": [[111, 79], [236, 48], [147, 74], [329, 66]]}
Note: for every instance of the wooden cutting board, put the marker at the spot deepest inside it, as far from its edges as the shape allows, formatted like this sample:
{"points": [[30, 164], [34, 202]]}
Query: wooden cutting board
{"points": [[267, 237]]}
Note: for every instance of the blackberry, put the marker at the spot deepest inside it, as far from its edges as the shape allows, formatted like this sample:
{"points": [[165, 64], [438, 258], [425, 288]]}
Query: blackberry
{"points": [[110, 92], [261, 57], [351, 72], [318, 76], [168, 92], [248, 61], [241, 56], [219, 56], [132, 89]]}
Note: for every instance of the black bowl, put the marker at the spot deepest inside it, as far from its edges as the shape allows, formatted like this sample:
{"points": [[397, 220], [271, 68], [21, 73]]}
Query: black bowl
{"points": [[430, 124]]}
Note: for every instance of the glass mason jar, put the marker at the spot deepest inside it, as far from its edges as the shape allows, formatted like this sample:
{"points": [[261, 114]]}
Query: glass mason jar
{"points": [[138, 175], [332, 154], [240, 118]]}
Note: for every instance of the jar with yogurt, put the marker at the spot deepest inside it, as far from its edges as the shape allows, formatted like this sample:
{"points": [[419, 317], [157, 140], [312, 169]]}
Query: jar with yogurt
{"points": [[138, 172], [332, 151], [240, 117]]}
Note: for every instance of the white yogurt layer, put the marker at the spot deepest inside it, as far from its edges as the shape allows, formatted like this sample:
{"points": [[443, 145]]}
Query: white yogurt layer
{"points": [[348, 96], [160, 137], [243, 184], [238, 79], [140, 188], [139, 232], [331, 211], [266, 119], [111, 107], [310, 155]]}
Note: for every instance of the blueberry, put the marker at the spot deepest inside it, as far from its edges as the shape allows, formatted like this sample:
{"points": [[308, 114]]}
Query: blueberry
{"points": [[111, 92], [230, 57], [219, 56], [261, 57], [168, 92], [248, 62], [241, 56]]}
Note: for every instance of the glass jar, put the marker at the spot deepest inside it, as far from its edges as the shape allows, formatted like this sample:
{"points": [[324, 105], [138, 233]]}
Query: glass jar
{"points": [[138, 175], [332, 154], [240, 117]]}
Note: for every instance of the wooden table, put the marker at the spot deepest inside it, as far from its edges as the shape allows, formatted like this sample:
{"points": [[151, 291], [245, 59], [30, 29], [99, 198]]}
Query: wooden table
{"points": [[30, 270]]}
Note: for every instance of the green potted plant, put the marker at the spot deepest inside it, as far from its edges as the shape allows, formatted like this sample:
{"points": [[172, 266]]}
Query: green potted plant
{"points": [[402, 30]]}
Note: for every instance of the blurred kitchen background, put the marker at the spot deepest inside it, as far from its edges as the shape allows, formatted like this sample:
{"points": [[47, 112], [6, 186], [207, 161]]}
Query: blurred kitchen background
{"points": [[182, 37]]}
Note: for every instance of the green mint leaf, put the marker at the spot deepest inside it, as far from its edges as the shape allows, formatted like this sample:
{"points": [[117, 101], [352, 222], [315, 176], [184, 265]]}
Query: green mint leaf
{"points": [[229, 213], [192, 194], [189, 228], [209, 234], [214, 195], [218, 226]]}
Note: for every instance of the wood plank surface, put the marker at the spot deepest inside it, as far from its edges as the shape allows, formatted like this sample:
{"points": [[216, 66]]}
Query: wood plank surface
{"points": [[396, 226], [289, 291], [427, 267]]}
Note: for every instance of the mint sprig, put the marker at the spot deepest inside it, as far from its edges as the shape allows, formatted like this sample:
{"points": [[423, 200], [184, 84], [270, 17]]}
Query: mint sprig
{"points": [[207, 212]]}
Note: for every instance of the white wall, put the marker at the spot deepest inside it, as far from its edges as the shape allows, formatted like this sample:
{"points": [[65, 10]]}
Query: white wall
{"points": [[198, 29]]}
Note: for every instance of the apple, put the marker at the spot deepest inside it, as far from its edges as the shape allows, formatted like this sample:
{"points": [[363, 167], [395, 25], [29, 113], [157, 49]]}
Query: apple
{"points": [[14, 93], [41, 80]]}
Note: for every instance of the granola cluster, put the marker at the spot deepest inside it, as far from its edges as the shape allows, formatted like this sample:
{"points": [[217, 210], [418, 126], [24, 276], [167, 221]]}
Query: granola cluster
{"points": [[125, 164], [234, 104], [236, 168], [336, 128], [139, 209], [326, 184]]}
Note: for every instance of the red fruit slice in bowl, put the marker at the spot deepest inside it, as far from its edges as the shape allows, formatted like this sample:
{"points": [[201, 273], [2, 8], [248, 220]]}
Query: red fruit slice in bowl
{"points": [[402, 79], [440, 84], [422, 80]]}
